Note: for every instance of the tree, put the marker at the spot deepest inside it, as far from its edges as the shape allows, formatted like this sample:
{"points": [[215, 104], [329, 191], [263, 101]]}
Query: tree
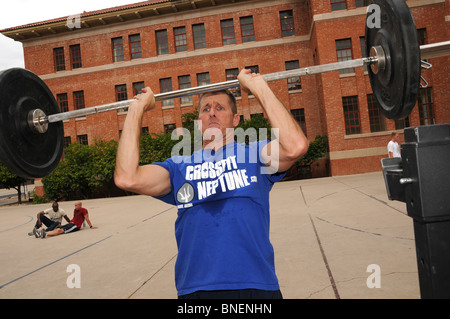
{"points": [[84, 171], [317, 149], [260, 124], [10, 180], [155, 148]]}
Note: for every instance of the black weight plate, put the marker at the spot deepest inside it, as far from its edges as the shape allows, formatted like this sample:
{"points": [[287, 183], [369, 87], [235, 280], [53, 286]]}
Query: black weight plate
{"points": [[25, 152], [396, 88]]}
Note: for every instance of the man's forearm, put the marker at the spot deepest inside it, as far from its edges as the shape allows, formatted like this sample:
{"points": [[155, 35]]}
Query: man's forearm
{"points": [[289, 134], [127, 160]]}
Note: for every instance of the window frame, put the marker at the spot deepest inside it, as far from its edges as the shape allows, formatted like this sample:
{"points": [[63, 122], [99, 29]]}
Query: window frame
{"points": [[355, 127], [75, 56], [118, 53], [135, 46], [247, 27], [227, 29], [180, 38], [59, 59], [162, 42]]}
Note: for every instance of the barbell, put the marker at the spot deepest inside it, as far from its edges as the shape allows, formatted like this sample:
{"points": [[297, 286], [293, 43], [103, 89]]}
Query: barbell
{"points": [[32, 132]]}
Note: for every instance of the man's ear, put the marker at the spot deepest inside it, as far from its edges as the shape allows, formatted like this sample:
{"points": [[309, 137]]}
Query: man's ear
{"points": [[236, 120]]}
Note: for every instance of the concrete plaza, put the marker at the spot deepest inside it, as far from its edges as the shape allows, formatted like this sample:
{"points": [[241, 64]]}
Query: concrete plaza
{"points": [[334, 237]]}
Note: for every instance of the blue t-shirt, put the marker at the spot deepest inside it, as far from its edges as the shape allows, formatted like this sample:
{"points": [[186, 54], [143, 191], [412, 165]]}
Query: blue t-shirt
{"points": [[222, 229]]}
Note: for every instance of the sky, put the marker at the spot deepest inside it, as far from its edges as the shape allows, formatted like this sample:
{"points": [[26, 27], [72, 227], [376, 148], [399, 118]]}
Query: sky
{"points": [[20, 12]]}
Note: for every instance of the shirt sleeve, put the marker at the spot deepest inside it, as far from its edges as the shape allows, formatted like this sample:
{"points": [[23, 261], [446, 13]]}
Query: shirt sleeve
{"points": [[169, 165], [265, 170]]}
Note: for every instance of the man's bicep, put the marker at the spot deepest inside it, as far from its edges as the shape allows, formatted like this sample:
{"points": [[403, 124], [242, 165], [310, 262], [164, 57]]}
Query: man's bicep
{"points": [[154, 180]]}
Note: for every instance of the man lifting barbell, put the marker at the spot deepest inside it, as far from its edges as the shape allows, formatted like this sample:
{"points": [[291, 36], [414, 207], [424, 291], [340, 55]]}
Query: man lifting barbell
{"points": [[32, 132], [223, 232], [32, 138]]}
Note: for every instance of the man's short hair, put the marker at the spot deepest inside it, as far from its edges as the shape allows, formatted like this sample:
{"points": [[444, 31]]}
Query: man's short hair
{"points": [[227, 92]]}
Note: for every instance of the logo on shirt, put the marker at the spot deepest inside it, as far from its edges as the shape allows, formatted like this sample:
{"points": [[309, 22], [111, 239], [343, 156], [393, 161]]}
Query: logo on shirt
{"points": [[186, 193]]}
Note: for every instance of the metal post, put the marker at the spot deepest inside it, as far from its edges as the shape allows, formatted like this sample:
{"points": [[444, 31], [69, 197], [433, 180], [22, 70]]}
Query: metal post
{"points": [[421, 178]]}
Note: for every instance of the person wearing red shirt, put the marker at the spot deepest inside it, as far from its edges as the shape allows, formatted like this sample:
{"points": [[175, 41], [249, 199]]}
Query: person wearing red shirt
{"points": [[80, 214]]}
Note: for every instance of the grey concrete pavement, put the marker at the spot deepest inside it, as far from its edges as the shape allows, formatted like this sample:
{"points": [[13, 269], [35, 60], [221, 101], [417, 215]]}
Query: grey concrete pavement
{"points": [[326, 233]]}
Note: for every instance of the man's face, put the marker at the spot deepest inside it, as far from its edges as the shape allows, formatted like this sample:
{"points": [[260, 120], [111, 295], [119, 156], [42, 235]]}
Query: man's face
{"points": [[77, 206], [55, 207], [215, 112]]}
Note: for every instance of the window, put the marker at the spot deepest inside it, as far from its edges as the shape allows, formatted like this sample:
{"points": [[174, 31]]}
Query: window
{"points": [[67, 141], [254, 68], [287, 23], [248, 33], [180, 39], [75, 56], [166, 86], [227, 31], [362, 3], [422, 35], [401, 124], [362, 43], [184, 82], [78, 100], [351, 115], [344, 53], [162, 43], [232, 74], [137, 88], [117, 49], [294, 83], [203, 78], [59, 60], [121, 92], [168, 128], [82, 139], [199, 36], [426, 113], [299, 116], [256, 115], [135, 46], [338, 5], [376, 119], [63, 102]]}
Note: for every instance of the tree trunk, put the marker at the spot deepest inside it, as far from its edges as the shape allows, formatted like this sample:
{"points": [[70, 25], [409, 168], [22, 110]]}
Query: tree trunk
{"points": [[19, 194]]}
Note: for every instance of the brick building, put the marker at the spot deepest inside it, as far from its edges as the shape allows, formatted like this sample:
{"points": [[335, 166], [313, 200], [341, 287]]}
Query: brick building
{"points": [[108, 55]]}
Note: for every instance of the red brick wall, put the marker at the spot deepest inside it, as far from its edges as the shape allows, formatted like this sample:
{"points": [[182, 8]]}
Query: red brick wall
{"points": [[321, 95]]}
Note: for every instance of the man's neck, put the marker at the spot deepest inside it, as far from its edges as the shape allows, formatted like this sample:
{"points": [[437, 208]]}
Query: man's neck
{"points": [[216, 145]]}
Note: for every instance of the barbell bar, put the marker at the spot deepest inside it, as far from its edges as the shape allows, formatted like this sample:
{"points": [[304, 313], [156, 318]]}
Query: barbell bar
{"points": [[40, 119], [32, 132]]}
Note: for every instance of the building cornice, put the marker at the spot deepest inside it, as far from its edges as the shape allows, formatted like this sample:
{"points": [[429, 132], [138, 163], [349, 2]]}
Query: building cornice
{"points": [[110, 16]]}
